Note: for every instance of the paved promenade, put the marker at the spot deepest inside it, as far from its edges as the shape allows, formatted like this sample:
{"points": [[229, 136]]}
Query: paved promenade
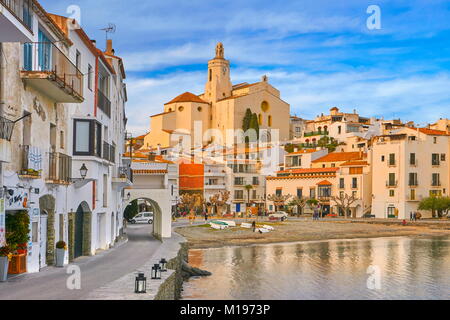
{"points": [[96, 271]]}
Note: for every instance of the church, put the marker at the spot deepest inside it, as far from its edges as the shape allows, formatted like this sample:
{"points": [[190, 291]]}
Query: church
{"points": [[219, 110]]}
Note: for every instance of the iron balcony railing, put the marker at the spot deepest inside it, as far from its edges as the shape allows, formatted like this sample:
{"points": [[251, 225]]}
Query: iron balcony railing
{"points": [[315, 133], [109, 152], [103, 103], [6, 128], [21, 9], [60, 167], [391, 183], [126, 172], [46, 57]]}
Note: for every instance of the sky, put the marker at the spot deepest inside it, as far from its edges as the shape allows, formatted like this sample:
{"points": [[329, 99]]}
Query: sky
{"points": [[319, 54]]}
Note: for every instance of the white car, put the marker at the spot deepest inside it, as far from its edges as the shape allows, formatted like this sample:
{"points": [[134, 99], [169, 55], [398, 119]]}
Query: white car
{"points": [[143, 217], [280, 215]]}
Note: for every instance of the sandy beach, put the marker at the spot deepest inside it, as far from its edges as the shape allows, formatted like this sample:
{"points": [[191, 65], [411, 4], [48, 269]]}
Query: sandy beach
{"points": [[202, 236]]}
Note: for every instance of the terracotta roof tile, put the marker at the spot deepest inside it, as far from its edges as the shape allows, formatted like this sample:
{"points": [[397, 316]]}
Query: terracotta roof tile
{"points": [[186, 97], [310, 170], [324, 183], [340, 156]]}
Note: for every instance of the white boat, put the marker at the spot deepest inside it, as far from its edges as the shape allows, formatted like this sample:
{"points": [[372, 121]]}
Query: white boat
{"points": [[218, 226], [262, 230], [268, 227], [229, 223], [246, 225]]}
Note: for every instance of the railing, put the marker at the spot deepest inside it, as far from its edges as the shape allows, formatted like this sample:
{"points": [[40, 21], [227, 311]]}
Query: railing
{"points": [[109, 152], [126, 172], [31, 161], [103, 103], [435, 183], [21, 9], [391, 183], [315, 133], [46, 57], [413, 183], [414, 163], [410, 197], [6, 128], [60, 167]]}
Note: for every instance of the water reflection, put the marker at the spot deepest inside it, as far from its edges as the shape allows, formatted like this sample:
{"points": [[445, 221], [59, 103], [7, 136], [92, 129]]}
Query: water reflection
{"points": [[410, 269]]}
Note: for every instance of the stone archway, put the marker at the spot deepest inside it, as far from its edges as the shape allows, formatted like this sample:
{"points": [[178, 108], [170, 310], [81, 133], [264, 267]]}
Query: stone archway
{"points": [[80, 231], [162, 216], [47, 204]]}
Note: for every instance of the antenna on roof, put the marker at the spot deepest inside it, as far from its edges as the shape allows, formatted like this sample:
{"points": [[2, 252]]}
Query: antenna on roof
{"points": [[111, 28]]}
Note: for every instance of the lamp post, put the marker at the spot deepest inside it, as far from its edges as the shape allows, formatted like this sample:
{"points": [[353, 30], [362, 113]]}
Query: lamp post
{"points": [[140, 283], [156, 272], [163, 265]]}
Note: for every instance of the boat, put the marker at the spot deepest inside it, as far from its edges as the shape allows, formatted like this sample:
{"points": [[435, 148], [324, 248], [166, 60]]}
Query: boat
{"points": [[218, 225], [229, 223]]}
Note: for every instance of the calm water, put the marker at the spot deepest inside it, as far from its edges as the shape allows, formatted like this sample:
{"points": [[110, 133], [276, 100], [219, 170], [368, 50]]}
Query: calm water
{"points": [[408, 268]]}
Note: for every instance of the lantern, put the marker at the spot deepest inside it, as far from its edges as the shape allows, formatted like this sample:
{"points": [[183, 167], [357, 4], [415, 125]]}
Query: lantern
{"points": [[140, 285], [83, 171], [163, 265], [156, 272]]}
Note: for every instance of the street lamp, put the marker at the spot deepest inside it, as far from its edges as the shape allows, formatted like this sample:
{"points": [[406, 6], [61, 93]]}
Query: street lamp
{"points": [[140, 284], [156, 272], [83, 171], [163, 265]]}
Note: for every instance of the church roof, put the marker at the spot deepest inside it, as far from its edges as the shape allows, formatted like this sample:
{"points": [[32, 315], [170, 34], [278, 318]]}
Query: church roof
{"points": [[186, 97]]}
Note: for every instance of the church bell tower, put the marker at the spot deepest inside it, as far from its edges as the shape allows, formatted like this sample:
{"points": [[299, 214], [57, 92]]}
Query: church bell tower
{"points": [[219, 84]]}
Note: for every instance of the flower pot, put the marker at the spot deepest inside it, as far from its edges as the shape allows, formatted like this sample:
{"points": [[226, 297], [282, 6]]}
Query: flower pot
{"points": [[4, 264], [60, 255]]}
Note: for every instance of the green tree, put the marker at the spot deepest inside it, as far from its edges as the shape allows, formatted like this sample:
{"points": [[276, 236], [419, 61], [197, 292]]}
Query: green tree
{"points": [[17, 229], [254, 124], [131, 210], [300, 203], [248, 187], [439, 206], [247, 120]]}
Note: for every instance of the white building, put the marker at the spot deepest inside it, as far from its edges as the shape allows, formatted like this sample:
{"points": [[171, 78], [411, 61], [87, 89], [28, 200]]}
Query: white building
{"points": [[71, 98]]}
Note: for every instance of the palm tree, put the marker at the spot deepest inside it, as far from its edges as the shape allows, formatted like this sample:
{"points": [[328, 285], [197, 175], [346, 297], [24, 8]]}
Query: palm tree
{"points": [[248, 187]]}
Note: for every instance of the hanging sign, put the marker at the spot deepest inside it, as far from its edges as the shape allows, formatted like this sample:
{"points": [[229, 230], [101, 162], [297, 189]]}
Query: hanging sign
{"points": [[17, 199]]}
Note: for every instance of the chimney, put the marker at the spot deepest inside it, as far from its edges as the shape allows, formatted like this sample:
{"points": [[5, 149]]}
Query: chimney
{"points": [[109, 48], [94, 42]]}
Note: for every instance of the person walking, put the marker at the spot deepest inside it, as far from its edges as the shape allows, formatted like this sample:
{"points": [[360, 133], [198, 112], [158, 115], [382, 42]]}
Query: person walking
{"points": [[414, 216], [411, 216], [254, 226], [206, 216]]}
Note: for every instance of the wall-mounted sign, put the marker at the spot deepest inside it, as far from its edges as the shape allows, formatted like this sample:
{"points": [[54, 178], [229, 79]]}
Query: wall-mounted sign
{"points": [[16, 199]]}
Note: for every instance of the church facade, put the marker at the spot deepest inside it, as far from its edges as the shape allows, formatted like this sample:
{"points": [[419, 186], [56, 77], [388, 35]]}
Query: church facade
{"points": [[196, 120]]}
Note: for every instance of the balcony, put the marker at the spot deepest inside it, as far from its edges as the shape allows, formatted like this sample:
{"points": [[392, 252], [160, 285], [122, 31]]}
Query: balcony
{"points": [[47, 69], [60, 168], [413, 183], [16, 20], [315, 133], [435, 183], [412, 198], [103, 103], [391, 184], [6, 130], [215, 174], [31, 163], [215, 186], [109, 152], [124, 177]]}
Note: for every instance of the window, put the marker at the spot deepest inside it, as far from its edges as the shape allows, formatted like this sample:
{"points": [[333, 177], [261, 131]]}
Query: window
{"points": [[199, 109], [279, 192], [180, 108], [391, 193], [435, 193], [89, 82], [392, 159], [253, 194], [442, 156], [355, 183], [354, 194], [412, 159], [392, 182], [413, 179], [312, 193], [238, 181], [269, 121], [255, 181], [299, 192], [341, 183], [356, 170], [435, 159], [239, 194], [382, 158], [435, 140], [412, 194], [260, 119], [87, 138], [61, 227], [78, 60], [265, 106], [339, 129], [435, 180]]}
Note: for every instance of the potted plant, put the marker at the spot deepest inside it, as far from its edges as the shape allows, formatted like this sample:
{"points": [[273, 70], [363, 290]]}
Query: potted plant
{"points": [[61, 249], [5, 258]]}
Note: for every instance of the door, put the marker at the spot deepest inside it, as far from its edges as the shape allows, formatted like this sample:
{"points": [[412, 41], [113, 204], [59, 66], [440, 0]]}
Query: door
{"points": [[238, 207], [43, 241], [78, 245], [44, 52]]}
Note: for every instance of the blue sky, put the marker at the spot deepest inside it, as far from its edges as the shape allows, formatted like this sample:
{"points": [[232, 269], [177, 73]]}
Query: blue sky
{"points": [[319, 54]]}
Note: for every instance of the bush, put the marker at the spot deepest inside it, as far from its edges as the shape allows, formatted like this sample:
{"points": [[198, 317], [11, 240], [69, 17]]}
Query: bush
{"points": [[61, 245], [5, 251], [17, 229]]}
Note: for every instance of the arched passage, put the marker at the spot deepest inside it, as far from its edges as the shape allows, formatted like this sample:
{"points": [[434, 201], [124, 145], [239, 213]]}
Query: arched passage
{"points": [[162, 215], [47, 206]]}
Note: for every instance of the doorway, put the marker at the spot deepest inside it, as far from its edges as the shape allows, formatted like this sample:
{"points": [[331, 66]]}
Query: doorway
{"points": [[78, 245], [43, 240]]}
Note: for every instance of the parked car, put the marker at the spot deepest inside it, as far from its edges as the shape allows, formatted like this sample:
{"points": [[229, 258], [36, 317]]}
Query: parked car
{"points": [[279, 215], [143, 217]]}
